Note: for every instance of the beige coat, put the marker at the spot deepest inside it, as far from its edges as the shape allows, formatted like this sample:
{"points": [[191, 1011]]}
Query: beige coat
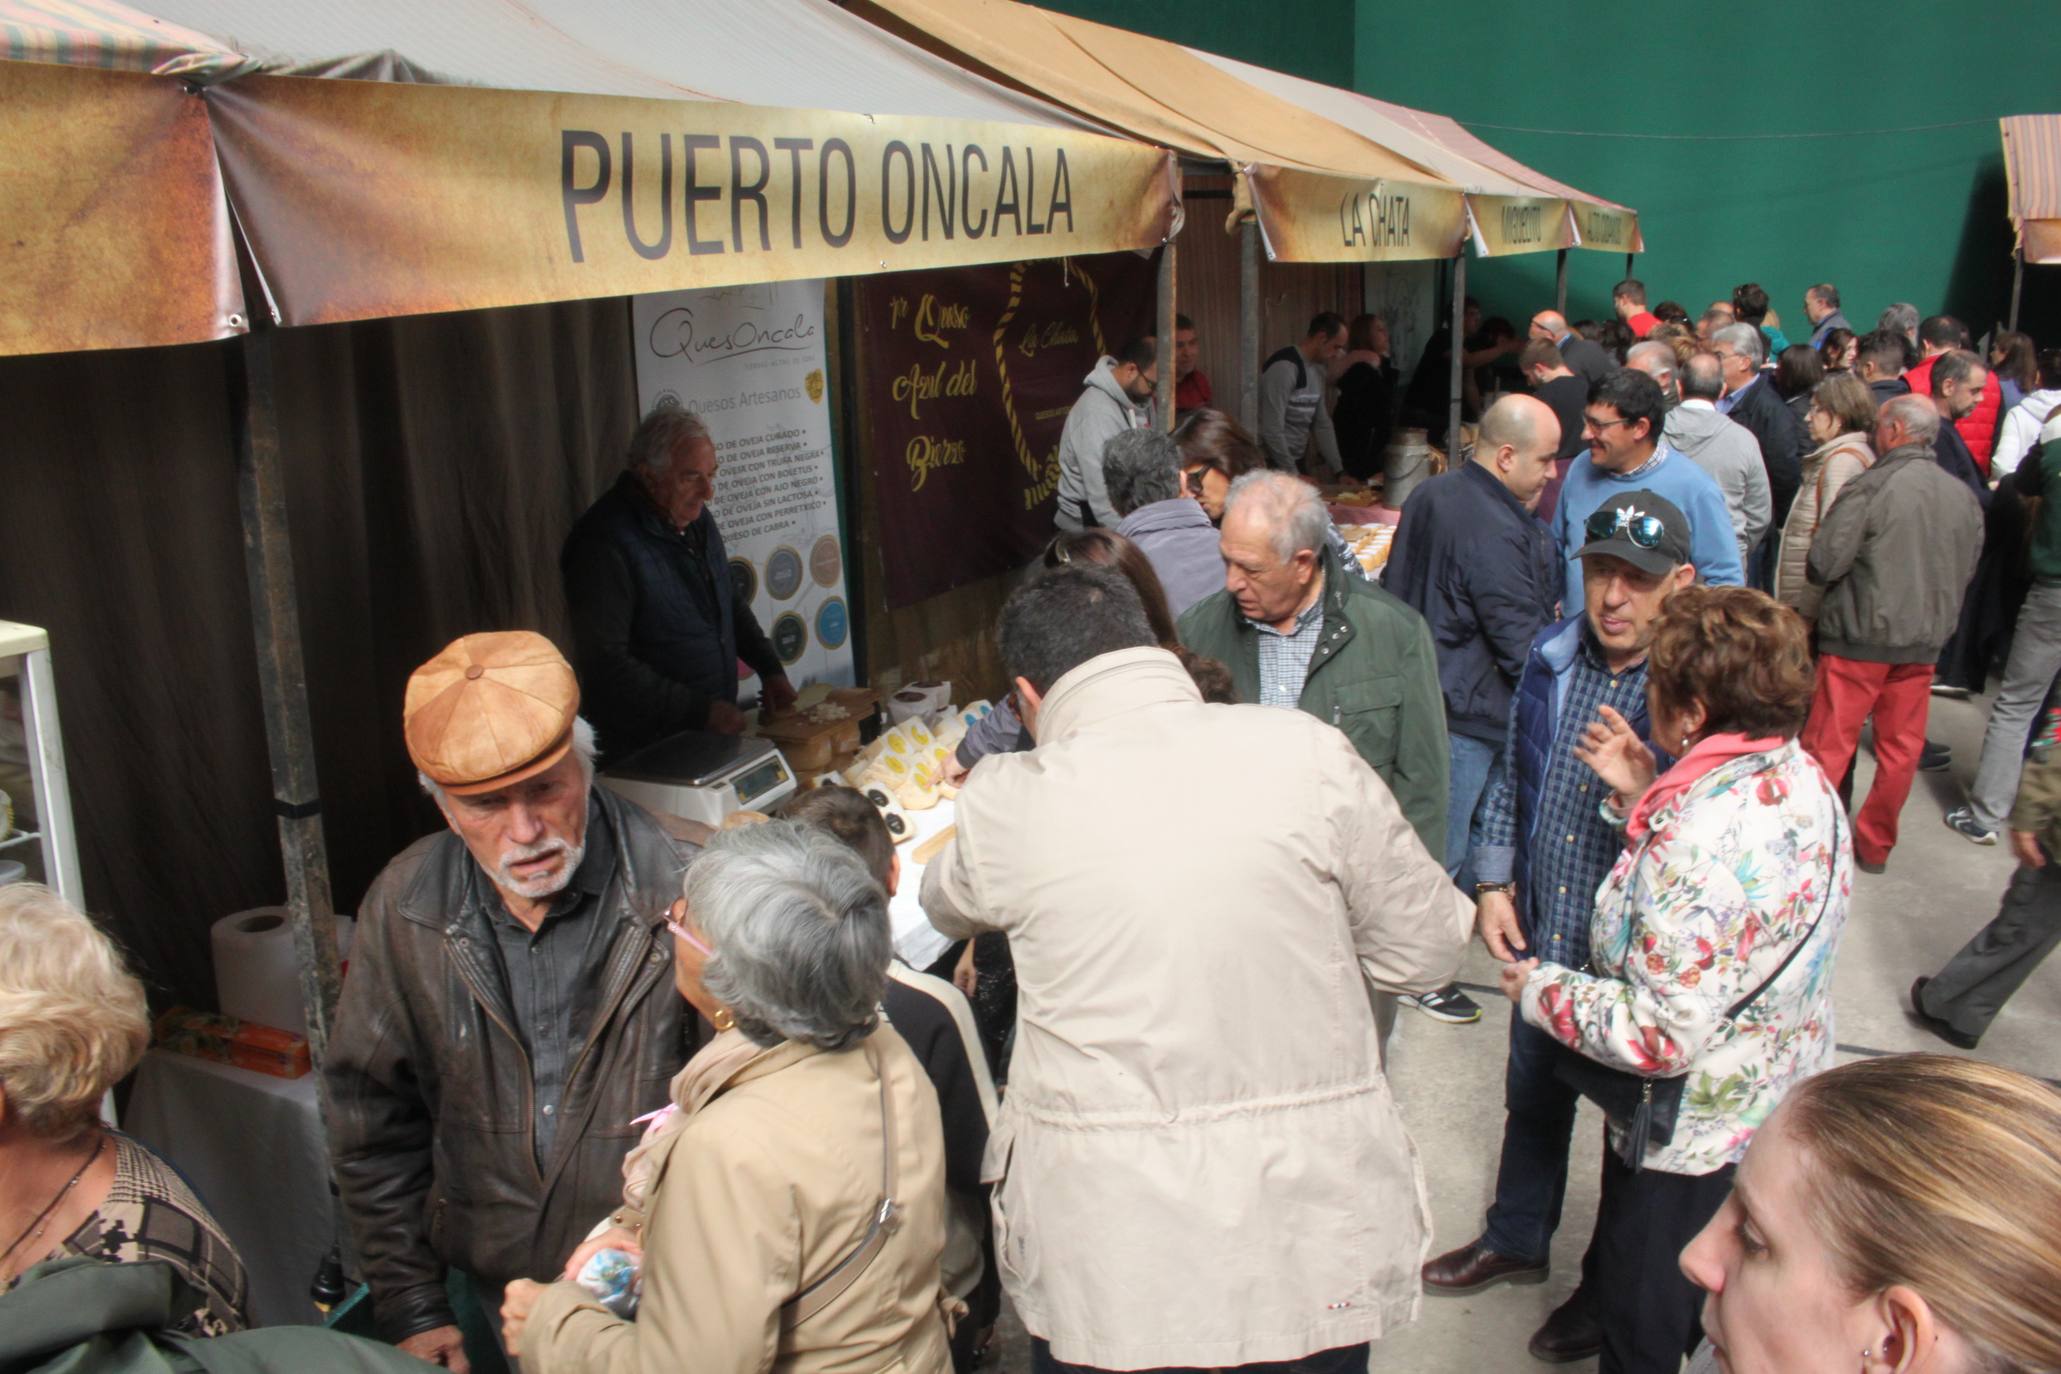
{"points": [[771, 1180], [1198, 1158], [1826, 469]]}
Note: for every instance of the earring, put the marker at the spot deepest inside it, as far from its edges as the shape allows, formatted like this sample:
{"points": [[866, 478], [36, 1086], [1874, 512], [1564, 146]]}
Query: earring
{"points": [[724, 1019], [1685, 744]]}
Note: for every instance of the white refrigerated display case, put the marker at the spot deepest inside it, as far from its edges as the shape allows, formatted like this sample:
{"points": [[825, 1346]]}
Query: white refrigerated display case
{"points": [[41, 836]]}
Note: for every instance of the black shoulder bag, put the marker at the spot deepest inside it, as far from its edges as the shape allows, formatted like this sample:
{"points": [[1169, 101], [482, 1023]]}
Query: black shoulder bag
{"points": [[1646, 1108]]}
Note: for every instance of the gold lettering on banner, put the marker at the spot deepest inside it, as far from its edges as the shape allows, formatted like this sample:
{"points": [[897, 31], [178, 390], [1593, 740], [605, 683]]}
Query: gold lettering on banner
{"points": [[932, 317], [1053, 334], [927, 452], [919, 386]]}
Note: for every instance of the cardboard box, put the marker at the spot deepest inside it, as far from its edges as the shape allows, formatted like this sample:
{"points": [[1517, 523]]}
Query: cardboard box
{"points": [[226, 1040]]}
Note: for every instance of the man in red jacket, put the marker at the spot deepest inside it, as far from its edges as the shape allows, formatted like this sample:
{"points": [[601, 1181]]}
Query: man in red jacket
{"points": [[1629, 299]]}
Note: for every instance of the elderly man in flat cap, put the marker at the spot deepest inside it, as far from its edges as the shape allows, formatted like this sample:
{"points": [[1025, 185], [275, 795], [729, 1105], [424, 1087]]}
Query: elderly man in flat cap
{"points": [[510, 1007]]}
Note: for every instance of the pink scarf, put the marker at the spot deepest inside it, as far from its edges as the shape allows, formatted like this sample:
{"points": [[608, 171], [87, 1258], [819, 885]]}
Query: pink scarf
{"points": [[1712, 752]]}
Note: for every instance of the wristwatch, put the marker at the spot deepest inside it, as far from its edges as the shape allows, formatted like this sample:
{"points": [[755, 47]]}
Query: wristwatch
{"points": [[1480, 888]]}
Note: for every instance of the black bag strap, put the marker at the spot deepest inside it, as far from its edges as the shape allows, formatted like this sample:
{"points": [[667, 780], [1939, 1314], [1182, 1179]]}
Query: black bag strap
{"points": [[1290, 354], [846, 1272]]}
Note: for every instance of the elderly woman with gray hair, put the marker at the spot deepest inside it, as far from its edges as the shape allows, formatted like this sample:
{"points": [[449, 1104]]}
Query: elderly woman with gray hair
{"points": [[790, 1212], [73, 1023]]}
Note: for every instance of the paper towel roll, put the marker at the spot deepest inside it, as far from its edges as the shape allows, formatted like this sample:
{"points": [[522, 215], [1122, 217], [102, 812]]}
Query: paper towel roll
{"points": [[257, 977]]}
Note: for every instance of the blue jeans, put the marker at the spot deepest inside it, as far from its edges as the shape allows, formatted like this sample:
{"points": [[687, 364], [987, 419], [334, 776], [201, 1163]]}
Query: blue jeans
{"points": [[1531, 1180], [1474, 767]]}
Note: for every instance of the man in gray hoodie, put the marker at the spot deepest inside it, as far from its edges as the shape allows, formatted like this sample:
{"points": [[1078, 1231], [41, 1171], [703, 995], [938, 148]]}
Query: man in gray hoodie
{"points": [[1118, 397], [1722, 447]]}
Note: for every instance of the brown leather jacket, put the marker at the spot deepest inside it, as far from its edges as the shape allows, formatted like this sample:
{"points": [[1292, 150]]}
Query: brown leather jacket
{"points": [[430, 1113]]}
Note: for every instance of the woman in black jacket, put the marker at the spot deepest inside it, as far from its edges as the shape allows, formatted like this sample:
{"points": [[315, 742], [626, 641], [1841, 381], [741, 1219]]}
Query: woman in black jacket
{"points": [[1365, 416]]}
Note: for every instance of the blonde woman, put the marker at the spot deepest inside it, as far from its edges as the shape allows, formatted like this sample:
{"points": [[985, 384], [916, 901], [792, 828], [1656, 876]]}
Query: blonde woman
{"points": [[72, 1024], [1894, 1216], [1841, 414]]}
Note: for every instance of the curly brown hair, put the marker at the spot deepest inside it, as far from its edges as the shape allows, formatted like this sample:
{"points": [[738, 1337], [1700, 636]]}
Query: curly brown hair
{"points": [[1742, 654]]}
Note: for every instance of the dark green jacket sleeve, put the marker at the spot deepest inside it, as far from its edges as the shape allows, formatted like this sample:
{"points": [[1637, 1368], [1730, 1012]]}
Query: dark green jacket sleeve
{"points": [[1422, 784]]}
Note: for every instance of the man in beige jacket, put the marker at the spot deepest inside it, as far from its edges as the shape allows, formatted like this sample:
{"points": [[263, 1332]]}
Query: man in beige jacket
{"points": [[1198, 1163]]}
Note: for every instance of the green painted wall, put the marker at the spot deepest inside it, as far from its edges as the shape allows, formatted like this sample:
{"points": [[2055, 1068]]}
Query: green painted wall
{"points": [[1909, 216]]}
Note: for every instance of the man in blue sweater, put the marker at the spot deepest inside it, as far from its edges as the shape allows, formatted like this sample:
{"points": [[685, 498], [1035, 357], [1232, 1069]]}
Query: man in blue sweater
{"points": [[1626, 453]]}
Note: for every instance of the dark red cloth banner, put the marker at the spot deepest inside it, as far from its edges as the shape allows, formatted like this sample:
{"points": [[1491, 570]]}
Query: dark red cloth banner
{"points": [[965, 380]]}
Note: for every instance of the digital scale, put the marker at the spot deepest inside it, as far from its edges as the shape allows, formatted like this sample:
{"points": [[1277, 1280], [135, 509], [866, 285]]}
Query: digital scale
{"points": [[703, 776]]}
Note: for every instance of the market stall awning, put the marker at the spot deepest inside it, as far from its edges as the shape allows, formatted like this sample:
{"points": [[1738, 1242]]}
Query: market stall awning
{"points": [[1322, 191], [2032, 166], [494, 155], [1512, 208]]}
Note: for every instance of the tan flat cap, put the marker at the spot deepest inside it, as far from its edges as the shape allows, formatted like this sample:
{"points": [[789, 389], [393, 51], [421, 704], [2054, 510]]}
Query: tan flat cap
{"points": [[490, 710]]}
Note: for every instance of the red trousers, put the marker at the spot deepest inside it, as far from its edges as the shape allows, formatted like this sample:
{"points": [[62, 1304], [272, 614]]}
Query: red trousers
{"points": [[1898, 695]]}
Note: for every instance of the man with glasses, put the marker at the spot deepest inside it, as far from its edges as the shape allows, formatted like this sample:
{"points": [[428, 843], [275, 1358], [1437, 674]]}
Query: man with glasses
{"points": [[1623, 423], [1544, 849], [658, 623], [1116, 396], [1586, 358]]}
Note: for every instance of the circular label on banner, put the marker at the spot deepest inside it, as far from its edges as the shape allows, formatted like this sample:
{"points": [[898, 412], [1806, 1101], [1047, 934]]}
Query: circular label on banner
{"points": [[826, 561], [783, 573], [832, 623], [745, 578], [790, 636]]}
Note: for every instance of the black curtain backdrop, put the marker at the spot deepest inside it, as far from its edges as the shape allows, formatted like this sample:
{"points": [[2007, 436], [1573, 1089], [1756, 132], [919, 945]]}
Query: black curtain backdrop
{"points": [[434, 466]]}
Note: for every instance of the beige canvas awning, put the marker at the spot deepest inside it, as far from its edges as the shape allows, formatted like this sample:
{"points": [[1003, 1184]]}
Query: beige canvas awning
{"points": [[1512, 208], [492, 155], [2032, 167], [1322, 191]]}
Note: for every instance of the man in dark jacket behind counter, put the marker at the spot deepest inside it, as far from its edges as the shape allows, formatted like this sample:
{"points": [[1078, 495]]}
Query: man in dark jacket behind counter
{"points": [[658, 623], [510, 1005]]}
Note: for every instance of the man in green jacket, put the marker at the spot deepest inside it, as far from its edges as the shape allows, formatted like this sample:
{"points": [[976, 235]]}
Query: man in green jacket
{"points": [[1296, 630]]}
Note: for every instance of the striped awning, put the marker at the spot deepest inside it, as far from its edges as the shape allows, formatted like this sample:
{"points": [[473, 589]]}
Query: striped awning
{"points": [[2032, 166]]}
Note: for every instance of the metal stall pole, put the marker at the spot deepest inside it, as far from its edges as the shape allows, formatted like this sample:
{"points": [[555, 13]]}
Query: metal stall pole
{"points": [[282, 679], [1165, 386], [2017, 284], [1631, 261], [1560, 282], [1459, 349], [1248, 325]]}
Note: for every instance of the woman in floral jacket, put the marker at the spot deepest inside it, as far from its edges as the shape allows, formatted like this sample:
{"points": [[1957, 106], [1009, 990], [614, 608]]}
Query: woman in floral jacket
{"points": [[1737, 858]]}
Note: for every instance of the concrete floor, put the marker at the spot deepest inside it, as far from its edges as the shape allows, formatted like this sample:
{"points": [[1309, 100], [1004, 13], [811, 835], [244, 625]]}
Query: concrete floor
{"points": [[1938, 890]]}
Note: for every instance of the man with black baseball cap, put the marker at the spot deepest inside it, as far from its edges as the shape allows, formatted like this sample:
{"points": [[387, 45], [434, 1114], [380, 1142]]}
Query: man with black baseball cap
{"points": [[1544, 849]]}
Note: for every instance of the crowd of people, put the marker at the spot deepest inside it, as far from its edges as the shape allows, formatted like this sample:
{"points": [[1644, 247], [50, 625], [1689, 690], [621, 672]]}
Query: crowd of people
{"points": [[660, 1095]]}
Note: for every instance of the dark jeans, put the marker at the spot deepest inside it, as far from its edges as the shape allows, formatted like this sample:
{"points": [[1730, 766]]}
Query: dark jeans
{"points": [[1531, 1180], [1651, 1314], [1347, 1359]]}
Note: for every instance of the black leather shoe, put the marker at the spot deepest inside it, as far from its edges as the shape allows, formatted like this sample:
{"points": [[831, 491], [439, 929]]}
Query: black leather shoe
{"points": [[1474, 1267], [1571, 1333], [1939, 1025]]}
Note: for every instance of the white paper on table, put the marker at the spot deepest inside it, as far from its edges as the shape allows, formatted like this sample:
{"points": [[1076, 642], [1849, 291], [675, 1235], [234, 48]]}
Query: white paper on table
{"points": [[917, 941]]}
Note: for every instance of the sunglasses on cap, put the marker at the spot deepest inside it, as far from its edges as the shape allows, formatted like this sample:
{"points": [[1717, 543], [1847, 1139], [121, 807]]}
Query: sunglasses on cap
{"points": [[1644, 530]]}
